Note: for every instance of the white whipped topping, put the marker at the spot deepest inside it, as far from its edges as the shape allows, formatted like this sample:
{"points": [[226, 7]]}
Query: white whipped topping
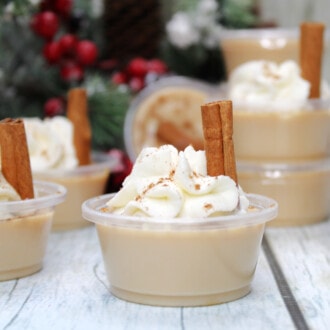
{"points": [[261, 81], [50, 143], [167, 183], [7, 192]]}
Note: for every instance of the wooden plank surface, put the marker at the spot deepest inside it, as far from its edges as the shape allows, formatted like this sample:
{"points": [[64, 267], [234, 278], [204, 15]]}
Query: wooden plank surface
{"points": [[71, 292], [303, 254]]}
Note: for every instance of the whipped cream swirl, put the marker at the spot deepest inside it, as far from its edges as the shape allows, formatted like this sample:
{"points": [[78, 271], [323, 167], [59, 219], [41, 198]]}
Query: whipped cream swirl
{"points": [[166, 183], [50, 143], [260, 82], [7, 192]]}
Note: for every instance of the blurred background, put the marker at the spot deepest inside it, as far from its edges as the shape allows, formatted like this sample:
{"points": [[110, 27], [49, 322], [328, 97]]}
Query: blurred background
{"points": [[116, 48]]}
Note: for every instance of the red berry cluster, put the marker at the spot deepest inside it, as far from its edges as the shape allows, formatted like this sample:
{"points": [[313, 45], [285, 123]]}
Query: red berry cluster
{"points": [[139, 72], [120, 172], [67, 51]]}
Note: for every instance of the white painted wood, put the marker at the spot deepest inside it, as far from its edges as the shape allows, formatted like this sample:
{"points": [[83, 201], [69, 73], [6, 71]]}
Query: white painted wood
{"points": [[304, 256], [71, 292]]}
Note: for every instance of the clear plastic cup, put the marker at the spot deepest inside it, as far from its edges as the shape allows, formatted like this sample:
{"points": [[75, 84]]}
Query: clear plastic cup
{"points": [[267, 133], [24, 230], [176, 100], [302, 190], [180, 262], [271, 44], [81, 183]]}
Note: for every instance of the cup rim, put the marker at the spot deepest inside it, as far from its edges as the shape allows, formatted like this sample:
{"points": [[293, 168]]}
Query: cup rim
{"points": [[268, 209], [54, 194], [295, 166], [271, 32], [102, 161]]}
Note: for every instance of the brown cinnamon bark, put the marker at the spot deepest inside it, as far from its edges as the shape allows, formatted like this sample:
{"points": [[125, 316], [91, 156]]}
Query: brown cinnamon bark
{"points": [[311, 51], [15, 160], [77, 112], [213, 145], [226, 114], [217, 119], [171, 134]]}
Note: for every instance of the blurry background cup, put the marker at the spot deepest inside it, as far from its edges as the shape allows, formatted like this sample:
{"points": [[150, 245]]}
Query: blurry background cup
{"points": [[24, 230], [272, 44], [81, 183]]}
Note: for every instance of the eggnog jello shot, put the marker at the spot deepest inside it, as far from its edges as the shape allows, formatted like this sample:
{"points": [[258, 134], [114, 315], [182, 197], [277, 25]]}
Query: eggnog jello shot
{"points": [[60, 152], [175, 235], [282, 111], [26, 210]]}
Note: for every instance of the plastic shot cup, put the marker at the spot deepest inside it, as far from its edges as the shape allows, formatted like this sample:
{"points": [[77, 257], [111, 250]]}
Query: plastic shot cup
{"points": [[265, 133], [180, 262], [24, 230], [81, 183], [302, 189], [270, 44], [173, 100]]}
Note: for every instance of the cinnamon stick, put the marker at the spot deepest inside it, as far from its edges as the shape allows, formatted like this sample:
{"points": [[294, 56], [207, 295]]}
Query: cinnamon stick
{"points": [[226, 114], [171, 134], [311, 51], [77, 112], [217, 120], [15, 160], [213, 145]]}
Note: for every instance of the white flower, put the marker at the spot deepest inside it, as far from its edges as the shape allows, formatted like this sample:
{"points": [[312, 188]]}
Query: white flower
{"points": [[198, 27], [206, 7], [97, 7], [181, 31], [34, 2]]}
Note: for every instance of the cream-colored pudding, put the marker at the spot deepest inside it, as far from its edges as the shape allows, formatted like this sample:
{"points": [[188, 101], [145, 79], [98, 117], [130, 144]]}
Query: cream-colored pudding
{"points": [[282, 136], [24, 229], [240, 46], [180, 262], [26, 239], [301, 190], [180, 268], [81, 183]]}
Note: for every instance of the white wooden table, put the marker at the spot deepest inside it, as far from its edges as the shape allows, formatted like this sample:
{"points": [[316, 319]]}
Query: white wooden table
{"points": [[291, 290]]}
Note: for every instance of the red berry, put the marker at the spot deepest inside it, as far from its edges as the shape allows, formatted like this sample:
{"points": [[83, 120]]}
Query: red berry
{"points": [[45, 24], [54, 107], [86, 52], [52, 52], [157, 66], [119, 78], [63, 7], [136, 84], [71, 72], [68, 44], [137, 67]]}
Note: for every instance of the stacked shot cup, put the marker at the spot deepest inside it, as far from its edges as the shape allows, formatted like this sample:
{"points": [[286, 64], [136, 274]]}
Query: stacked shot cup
{"points": [[285, 154]]}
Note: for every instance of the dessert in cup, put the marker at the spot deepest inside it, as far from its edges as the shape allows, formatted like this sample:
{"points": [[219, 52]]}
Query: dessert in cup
{"points": [[60, 151], [181, 231], [302, 190], [282, 131], [280, 113], [26, 207]]}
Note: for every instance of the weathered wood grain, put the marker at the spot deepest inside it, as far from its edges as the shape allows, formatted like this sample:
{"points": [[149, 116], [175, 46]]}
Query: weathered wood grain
{"points": [[71, 292]]}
